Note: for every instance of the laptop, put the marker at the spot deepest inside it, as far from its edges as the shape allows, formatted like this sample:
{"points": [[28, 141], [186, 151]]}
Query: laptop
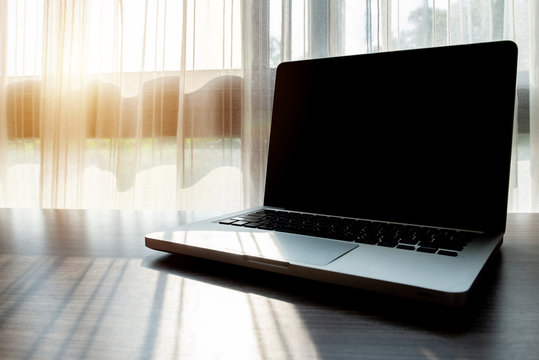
{"points": [[387, 172]]}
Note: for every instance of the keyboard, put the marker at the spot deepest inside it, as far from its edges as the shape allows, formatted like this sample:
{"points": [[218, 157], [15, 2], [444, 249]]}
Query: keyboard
{"points": [[406, 237]]}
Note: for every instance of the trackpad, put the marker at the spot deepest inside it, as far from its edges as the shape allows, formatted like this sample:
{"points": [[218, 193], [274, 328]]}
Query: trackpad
{"points": [[310, 250], [264, 244]]}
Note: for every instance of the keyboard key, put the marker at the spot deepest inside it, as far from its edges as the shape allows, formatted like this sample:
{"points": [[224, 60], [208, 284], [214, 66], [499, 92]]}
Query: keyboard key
{"points": [[227, 221], [253, 224], [426, 243], [408, 241], [451, 245], [366, 240], [427, 250], [447, 253], [405, 247], [387, 244]]}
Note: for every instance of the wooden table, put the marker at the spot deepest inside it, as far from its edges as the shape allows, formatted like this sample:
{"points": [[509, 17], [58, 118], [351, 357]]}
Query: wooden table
{"points": [[80, 284]]}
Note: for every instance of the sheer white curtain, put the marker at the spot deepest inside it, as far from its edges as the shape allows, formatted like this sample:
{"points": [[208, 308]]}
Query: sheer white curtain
{"points": [[121, 104], [167, 103]]}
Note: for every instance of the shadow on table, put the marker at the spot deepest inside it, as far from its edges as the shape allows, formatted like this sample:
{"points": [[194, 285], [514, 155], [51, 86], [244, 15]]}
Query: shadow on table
{"points": [[348, 301]]}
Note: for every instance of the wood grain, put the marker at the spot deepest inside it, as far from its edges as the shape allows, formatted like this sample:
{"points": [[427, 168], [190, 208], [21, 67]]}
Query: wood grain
{"points": [[80, 284]]}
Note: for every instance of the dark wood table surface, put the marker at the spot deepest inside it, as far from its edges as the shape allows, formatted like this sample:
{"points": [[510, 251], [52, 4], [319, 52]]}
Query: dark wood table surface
{"points": [[79, 284]]}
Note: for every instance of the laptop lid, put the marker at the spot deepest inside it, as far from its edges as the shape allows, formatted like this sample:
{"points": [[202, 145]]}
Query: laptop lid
{"points": [[418, 136]]}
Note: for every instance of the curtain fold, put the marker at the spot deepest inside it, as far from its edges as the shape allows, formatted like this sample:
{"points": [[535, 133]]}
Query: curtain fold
{"points": [[534, 103], [257, 99], [166, 104]]}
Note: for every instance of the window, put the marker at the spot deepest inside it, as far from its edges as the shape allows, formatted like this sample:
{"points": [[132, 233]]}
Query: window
{"points": [[106, 101]]}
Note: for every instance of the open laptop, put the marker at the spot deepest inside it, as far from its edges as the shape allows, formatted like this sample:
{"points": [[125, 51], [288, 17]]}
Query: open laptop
{"points": [[387, 172]]}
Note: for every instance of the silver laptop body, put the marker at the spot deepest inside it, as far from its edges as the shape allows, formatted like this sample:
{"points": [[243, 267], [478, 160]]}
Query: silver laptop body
{"points": [[387, 172]]}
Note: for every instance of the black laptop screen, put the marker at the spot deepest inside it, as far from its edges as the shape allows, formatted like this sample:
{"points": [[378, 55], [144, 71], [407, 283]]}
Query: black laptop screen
{"points": [[418, 136]]}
